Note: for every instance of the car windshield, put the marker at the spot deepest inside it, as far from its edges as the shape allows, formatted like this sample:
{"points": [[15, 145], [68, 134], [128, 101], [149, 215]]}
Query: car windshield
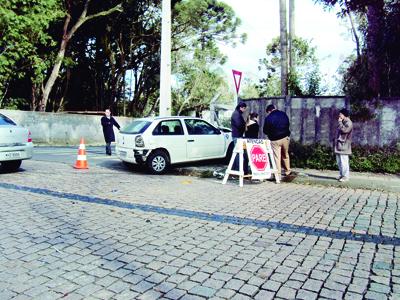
{"points": [[5, 121], [136, 127]]}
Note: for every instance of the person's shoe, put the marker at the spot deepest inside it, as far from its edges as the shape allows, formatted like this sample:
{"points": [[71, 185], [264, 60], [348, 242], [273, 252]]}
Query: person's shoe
{"points": [[344, 179], [339, 177], [108, 153]]}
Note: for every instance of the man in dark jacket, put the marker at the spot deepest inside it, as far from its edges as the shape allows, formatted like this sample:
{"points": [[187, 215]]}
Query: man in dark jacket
{"points": [[108, 122], [276, 127], [238, 126]]}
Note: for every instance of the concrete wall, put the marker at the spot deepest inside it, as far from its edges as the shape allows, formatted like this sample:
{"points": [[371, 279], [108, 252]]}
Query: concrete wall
{"points": [[61, 128], [384, 128], [314, 119]]}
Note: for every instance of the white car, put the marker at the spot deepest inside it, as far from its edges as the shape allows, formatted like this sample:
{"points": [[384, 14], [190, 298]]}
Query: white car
{"points": [[15, 144], [162, 141]]}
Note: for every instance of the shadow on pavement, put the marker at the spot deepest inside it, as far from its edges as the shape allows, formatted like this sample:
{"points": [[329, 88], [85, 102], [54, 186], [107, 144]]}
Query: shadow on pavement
{"points": [[3, 171], [321, 177]]}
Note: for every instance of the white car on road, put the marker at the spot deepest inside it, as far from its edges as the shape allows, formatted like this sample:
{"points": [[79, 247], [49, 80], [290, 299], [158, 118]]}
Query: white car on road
{"points": [[161, 141], [15, 144]]}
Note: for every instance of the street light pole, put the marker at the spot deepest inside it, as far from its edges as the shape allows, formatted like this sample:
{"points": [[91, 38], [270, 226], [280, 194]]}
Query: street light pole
{"points": [[165, 70]]}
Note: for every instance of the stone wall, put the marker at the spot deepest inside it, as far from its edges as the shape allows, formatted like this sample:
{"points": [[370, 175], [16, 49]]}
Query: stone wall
{"points": [[314, 119], [62, 128]]}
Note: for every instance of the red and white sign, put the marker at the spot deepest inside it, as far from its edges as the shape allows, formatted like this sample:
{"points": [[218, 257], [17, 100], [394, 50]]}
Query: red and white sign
{"points": [[259, 158], [237, 77]]}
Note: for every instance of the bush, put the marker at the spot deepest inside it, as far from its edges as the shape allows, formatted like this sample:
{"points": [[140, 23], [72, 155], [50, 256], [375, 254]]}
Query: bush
{"points": [[363, 159]]}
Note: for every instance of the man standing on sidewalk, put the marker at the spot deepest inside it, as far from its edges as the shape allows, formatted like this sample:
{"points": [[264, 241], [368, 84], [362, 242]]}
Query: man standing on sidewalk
{"points": [[343, 144], [276, 127], [108, 123]]}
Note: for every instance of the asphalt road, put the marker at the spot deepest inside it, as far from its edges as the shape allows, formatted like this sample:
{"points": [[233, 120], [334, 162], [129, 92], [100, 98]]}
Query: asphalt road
{"points": [[95, 154]]}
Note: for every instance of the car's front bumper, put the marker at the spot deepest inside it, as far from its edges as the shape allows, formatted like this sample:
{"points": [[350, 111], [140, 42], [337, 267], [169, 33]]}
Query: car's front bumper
{"points": [[130, 155]]}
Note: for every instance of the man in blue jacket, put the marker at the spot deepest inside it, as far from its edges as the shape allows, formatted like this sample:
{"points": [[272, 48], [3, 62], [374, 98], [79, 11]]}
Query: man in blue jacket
{"points": [[276, 127]]}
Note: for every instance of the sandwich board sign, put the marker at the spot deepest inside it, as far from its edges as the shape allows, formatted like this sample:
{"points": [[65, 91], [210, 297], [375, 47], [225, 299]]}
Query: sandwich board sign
{"points": [[261, 160]]}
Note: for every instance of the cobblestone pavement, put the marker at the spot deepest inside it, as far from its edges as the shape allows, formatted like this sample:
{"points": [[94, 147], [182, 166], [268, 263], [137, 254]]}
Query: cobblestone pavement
{"points": [[107, 233]]}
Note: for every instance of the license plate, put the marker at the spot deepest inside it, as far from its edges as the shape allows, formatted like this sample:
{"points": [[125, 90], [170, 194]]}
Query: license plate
{"points": [[122, 153], [12, 154]]}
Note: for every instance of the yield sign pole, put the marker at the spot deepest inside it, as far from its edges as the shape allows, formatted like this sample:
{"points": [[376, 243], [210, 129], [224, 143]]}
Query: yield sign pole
{"points": [[165, 72]]}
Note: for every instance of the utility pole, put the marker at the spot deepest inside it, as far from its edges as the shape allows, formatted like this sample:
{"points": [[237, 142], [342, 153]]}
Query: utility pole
{"points": [[165, 70], [284, 47], [292, 63]]}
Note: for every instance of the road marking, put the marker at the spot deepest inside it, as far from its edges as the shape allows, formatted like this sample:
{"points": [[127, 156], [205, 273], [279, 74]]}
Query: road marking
{"points": [[343, 235]]}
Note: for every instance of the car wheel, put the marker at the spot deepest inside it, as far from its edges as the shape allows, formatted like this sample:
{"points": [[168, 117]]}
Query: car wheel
{"points": [[229, 153], [157, 162], [11, 166]]}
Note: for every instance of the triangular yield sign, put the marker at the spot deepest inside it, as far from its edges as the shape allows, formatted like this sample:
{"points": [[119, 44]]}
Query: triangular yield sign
{"points": [[237, 77]]}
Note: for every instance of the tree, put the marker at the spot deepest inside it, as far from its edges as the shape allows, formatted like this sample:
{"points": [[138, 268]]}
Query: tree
{"points": [[375, 56], [91, 73], [198, 81], [129, 43], [304, 80], [23, 33], [68, 32], [197, 57]]}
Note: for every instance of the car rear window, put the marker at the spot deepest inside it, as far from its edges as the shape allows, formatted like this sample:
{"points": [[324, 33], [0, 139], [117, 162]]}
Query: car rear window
{"points": [[6, 121], [136, 127]]}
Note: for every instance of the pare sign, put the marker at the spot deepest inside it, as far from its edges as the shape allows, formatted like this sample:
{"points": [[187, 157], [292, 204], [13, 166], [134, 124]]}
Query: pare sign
{"points": [[260, 158]]}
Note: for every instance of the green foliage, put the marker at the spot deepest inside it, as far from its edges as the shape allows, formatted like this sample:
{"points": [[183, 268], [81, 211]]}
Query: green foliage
{"points": [[104, 51], [375, 72], [23, 32], [198, 82], [364, 158], [202, 23], [15, 104], [312, 156], [304, 80], [249, 89], [196, 67]]}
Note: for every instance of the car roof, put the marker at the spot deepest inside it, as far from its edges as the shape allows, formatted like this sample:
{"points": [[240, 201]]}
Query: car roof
{"points": [[151, 119]]}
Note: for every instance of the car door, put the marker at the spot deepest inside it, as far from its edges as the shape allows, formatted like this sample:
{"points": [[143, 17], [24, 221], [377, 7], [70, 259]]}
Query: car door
{"points": [[204, 140], [169, 134]]}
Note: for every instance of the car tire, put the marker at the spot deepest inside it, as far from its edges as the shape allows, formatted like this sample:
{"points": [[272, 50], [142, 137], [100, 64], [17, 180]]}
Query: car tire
{"points": [[158, 162], [229, 153], [11, 166]]}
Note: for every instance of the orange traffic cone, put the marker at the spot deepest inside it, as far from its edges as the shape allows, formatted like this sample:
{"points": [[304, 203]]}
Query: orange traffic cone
{"points": [[81, 162]]}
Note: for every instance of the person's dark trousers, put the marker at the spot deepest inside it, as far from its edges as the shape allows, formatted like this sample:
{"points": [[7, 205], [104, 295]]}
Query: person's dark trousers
{"points": [[108, 148], [235, 165]]}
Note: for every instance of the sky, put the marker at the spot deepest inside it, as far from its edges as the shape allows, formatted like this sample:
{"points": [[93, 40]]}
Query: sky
{"points": [[260, 20]]}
